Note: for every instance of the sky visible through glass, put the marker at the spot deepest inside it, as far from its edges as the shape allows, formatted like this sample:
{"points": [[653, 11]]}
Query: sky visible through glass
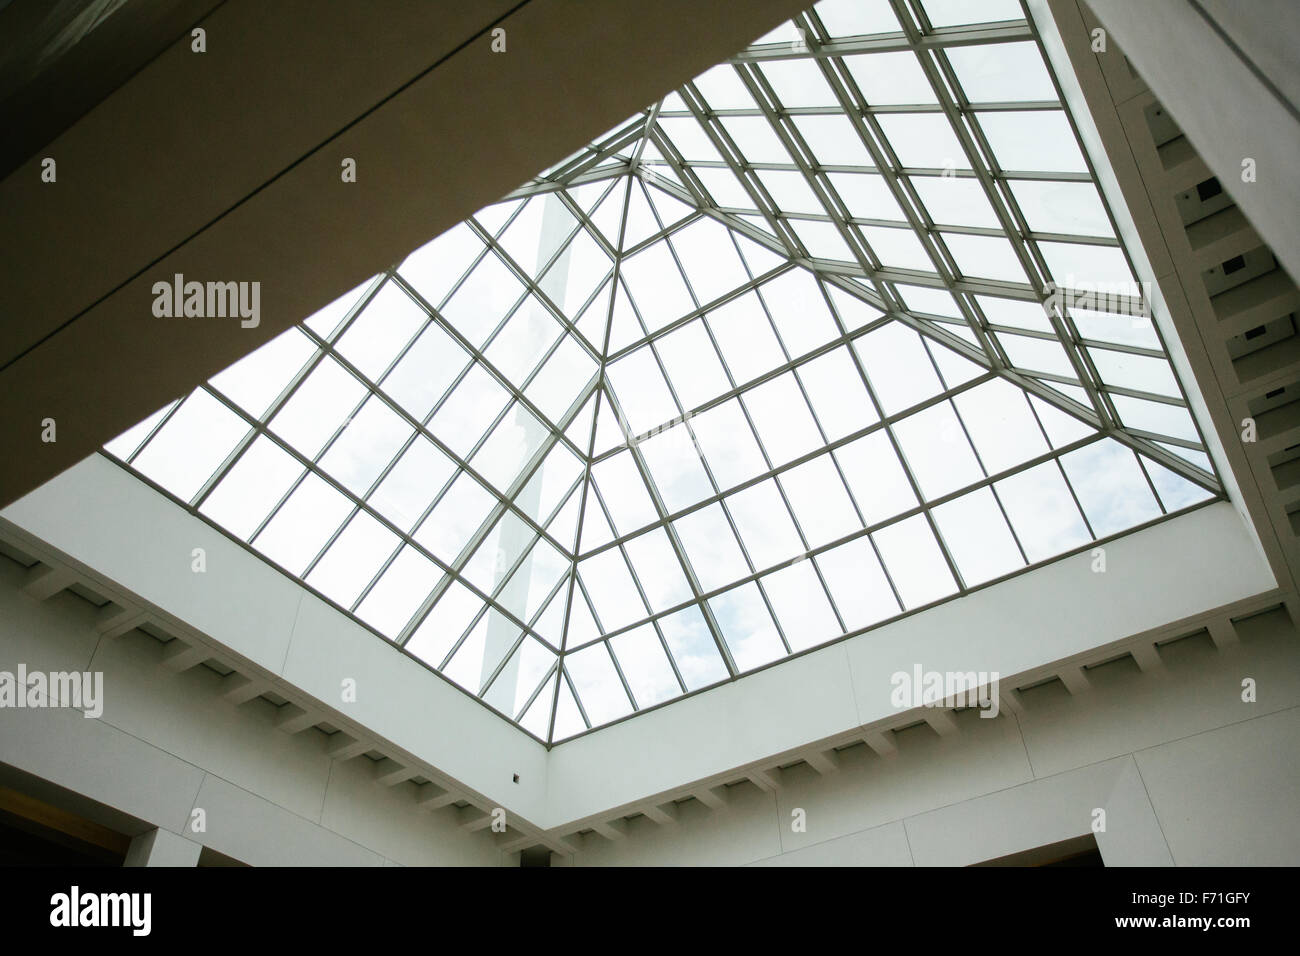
{"points": [[839, 329]]}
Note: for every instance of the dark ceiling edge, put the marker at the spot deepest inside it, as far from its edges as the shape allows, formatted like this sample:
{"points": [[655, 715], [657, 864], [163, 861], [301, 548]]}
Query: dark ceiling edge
{"points": [[38, 111], [312, 151]]}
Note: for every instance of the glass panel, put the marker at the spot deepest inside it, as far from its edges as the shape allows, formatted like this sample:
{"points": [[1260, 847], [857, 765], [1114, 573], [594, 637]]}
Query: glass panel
{"points": [[923, 140], [1172, 421], [822, 240], [367, 444], [498, 553], [951, 201], [755, 138], [434, 267], [838, 397], [728, 445], [624, 493], [562, 379], [528, 589], [1073, 208], [1175, 491], [725, 189], [511, 689], [977, 537], [834, 142], [897, 248], [469, 410], [745, 337], [1111, 487], [866, 196], [326, 321], [693, 648], [256, 380], [846, 18], [483, 300], [487, 645], [794, 300], [407, 489], [984, 257], [951, 13], [320, 405], [537, 233], [876, 477], [513, 443], [641, 391], [1039, 140], [676, 466], [798, 83], [935, 448], [1036, 355], [710, 259], [526, 338], [1042, 512], [819, 500], [711, 547], [800, 605], [747, 627], [192, 445], [398, 593], [1143, 373], [914, 561], [458, 515], [656, 286], [690, 139], [1095, 269], [611, 589], [645, 665], [1001, 72], [426, 371], [189, 449], [890, 78], [377, 335], [1001, 424], [782, 419], [693, 364], [596, 681], [857, 583], [125, 445], [790, 192], [898, 367], [256, 483], [450, 617], [656, 567], [723, 89], [764, 524], [303, 524]]}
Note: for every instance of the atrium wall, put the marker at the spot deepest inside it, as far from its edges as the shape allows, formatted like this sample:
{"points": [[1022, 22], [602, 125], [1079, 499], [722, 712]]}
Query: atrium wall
{"points": [[171, 743], [1187, 772]]}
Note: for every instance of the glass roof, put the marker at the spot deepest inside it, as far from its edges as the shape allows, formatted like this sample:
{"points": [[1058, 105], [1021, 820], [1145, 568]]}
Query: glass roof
{"points": [[839, 329]]}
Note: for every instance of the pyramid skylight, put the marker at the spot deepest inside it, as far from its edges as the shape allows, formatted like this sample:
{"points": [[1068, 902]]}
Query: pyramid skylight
{"points": [[839, 329]]}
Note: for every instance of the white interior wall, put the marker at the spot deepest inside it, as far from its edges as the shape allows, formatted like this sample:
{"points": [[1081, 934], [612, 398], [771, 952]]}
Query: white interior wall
{"points": [[169, 743], [246, 610], [1187, 773], [1235, 100]]}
